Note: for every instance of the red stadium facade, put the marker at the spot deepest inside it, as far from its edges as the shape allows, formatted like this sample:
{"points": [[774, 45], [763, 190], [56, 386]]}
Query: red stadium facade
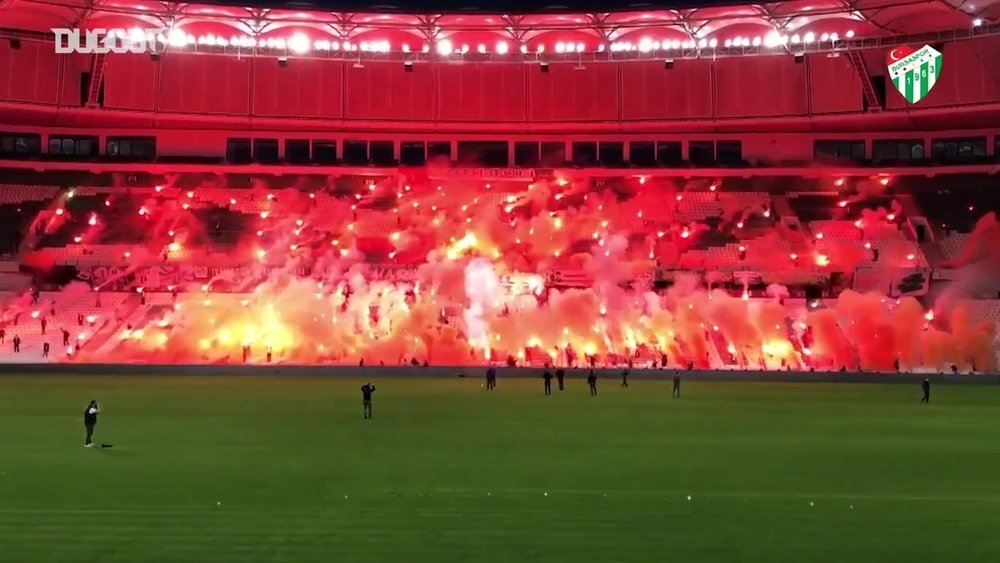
{"points": [[776, 77]]}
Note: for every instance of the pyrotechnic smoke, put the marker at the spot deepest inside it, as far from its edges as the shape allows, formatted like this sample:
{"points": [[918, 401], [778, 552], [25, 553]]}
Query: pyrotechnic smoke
{"points": [[466, 282], [481, 288]]}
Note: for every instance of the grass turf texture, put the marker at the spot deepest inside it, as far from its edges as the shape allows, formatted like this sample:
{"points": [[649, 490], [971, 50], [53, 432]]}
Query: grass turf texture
{"points": [[449, 472]]}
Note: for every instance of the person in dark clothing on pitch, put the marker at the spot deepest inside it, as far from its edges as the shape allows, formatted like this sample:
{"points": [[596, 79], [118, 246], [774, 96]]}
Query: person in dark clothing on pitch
{"points": [[547, 377], [17, 344], [592, 382], [491, 378], [65, 334], [625, 378], [90, 421], [45, 349], [927, 391], [3, 335], [366, 398], [560, 374], [677, 385]]}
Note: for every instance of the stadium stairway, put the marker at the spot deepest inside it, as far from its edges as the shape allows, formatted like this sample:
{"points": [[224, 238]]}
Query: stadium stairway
{"points": [[110, 329], [67, 308]]}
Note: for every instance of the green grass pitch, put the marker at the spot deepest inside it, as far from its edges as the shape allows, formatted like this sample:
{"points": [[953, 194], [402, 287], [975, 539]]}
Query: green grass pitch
{"points": [[285, 469]]}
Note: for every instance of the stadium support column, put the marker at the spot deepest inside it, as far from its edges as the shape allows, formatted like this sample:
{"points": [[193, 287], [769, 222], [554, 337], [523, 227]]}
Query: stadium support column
{"points": [[96, 80]]}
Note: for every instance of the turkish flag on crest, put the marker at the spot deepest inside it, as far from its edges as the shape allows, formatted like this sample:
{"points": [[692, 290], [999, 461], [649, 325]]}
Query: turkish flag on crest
{"points": [[898, 53]]}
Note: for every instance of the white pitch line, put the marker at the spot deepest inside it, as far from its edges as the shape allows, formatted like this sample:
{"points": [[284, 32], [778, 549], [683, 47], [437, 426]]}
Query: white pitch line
{"points": [[732, 494], [566, 493]]}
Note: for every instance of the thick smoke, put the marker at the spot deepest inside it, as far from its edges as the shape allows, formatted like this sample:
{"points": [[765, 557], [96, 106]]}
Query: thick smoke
{"points": [[477, 291]]}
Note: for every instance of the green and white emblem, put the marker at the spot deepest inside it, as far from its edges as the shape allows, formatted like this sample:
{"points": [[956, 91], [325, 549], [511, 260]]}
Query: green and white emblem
{"points": [[914, 73]]}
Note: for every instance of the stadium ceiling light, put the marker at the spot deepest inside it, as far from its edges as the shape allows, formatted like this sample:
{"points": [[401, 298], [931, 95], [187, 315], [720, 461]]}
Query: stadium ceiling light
{"points": [[727, 43], [809, 38], [850, 33], [977, 22], [465, 49], [702, 43], [579, 47], [298, 43], [713, 43], [676, 44], [444, 47], [772, 39], [406, 47], [834, 37], [502, 47], [824, 37], [560, 47], [600, 48], [540, 49], [176, 37], [481, 48], [756, 41], [524, 49], [334, 46], [645, 45]]}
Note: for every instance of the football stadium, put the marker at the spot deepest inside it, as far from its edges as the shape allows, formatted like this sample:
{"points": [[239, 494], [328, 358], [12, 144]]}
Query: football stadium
{"points": [[310, 269]]}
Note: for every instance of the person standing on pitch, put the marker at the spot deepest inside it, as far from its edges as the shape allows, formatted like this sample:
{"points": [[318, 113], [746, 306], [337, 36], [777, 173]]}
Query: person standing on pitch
{"points": [[625, 378], [90, 421], [560, 375], [677, 385], [491, 378], [366, 398], [927, 391], [45, 349], [592, 382], [547, 377]]}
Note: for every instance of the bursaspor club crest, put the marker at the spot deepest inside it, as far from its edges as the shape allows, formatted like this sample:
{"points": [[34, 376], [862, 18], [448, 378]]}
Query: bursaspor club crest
{"points": [[914, 73]]}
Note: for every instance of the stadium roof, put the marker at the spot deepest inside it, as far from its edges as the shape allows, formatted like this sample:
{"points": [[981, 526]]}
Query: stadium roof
{"points": [[422, 24]]}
